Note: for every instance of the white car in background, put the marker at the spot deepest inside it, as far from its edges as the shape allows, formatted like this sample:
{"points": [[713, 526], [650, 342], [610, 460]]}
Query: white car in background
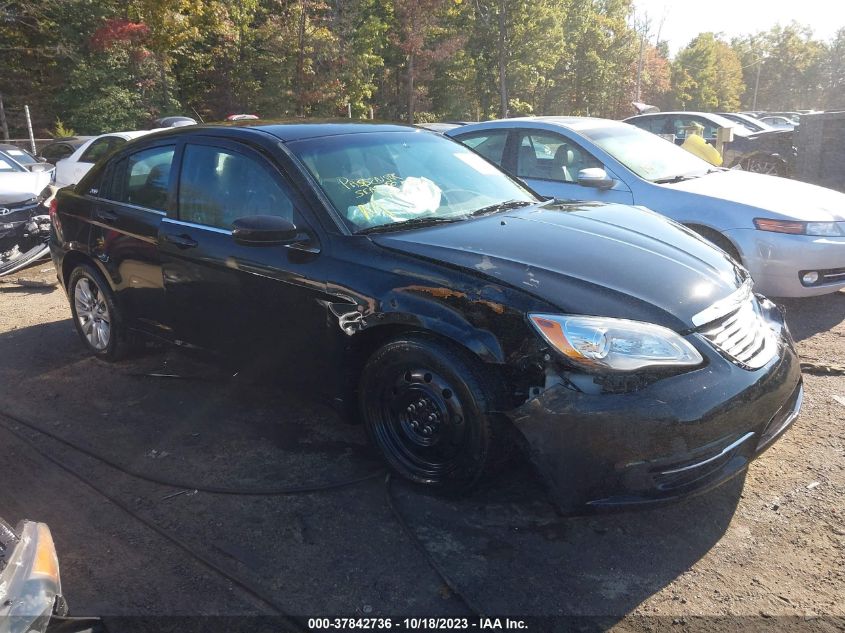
{"points": [[70, 170], [17, 178], [778, 122]]}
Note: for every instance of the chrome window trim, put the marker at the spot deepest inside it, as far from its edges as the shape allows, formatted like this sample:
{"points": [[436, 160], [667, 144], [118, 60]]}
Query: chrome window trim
{"points": [[193, 225], [126, 204]]}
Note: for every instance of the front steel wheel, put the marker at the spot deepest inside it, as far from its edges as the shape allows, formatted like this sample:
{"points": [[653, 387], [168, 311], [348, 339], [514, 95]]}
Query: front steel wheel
{"points": [[426, 407]]}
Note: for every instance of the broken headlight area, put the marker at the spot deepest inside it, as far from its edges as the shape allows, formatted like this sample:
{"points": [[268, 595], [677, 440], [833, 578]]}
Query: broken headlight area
{"points": [[30, 587], [606, 355]]}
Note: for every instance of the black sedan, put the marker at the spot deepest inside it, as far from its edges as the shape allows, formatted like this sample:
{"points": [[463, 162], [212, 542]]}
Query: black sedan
{"points": [[403, 274]]}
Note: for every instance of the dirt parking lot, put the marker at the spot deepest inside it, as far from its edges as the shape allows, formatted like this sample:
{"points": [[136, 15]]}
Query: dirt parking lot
{"points": [[769, 554]]}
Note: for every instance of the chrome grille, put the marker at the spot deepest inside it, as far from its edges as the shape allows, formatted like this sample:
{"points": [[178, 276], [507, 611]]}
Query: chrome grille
{"points": [[743, 335]]}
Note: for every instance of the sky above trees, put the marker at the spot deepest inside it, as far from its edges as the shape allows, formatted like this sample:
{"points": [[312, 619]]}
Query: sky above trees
{"points": [[683, 20]]}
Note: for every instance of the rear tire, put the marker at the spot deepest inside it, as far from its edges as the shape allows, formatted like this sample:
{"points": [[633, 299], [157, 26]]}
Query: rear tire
{"points": [[428, 408], [96, 315]]}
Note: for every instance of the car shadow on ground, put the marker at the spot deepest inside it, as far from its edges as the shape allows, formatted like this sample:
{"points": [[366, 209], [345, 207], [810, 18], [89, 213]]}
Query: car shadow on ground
{"points": [[505, 550], [811, 315]]}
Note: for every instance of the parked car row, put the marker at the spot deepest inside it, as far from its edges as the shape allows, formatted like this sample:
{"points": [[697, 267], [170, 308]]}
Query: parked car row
{"points": [[766, 150]]}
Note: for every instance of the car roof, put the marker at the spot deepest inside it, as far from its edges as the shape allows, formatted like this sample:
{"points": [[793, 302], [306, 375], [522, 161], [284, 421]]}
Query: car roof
{"points": [[574, 123], [287, 131], [70, 140], [8, 147]]}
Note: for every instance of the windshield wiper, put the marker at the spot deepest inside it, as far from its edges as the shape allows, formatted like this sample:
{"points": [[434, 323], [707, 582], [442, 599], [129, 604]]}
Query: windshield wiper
{"points": [[680, 178], [411, 223], [502, 206]]}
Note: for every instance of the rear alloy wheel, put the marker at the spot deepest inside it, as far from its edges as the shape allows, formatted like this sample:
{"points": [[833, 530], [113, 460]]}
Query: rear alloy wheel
{"points": [[96, 315], [92, 313], [426, 407]]}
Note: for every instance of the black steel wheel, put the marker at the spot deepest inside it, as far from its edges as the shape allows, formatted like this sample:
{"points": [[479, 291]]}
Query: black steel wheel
{"points": [[96, 315], [426, 406]]}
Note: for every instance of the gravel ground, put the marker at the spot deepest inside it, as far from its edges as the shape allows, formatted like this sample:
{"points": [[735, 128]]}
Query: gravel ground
{"points": [[767, 553]]}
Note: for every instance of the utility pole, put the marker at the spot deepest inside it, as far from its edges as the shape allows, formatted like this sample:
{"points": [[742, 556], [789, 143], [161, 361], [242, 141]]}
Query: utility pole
{"points": [[300, 62], [29, 128], [503, 79], [640, 67], [757, 83], [644, 29], [3, 120]]}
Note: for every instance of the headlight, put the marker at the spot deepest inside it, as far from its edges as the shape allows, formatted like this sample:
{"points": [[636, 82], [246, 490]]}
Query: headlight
{"points": [[793, 227], [614, 344]]}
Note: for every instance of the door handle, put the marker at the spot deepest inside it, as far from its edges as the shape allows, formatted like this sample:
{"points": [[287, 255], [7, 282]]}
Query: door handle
{"points": [[106, 215], [180, 241]]}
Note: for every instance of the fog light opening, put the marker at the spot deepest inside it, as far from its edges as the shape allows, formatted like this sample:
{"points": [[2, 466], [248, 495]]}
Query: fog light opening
{"points": [[810, 278]]}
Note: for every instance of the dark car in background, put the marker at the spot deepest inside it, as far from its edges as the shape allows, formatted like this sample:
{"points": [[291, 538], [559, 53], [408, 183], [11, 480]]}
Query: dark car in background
{"points": [[766, 152], [62, 148], [398, 271]]}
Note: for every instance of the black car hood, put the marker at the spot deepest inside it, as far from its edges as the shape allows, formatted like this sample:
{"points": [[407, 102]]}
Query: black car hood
{"points": [[586, 258]]}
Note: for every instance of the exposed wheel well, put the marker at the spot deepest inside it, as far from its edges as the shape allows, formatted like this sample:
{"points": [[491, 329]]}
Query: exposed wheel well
{"points": [[713, 236], [72, 260]]}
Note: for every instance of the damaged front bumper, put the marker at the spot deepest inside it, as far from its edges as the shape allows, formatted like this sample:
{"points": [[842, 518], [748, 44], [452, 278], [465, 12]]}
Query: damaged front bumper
{"points": [[30, 587], [677, 436]]}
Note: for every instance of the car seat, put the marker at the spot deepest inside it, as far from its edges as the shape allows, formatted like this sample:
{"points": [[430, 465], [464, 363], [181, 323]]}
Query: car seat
{"points": [[527, 167], [561, 163], [153, 193]]}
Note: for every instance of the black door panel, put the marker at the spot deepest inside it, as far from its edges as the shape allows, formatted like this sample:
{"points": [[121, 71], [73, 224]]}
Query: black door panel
{"points": [[255, 302], [124, 239]]}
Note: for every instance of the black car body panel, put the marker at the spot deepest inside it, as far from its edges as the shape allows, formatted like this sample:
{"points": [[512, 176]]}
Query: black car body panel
{"points": [[551, 252], [664, 440], [322, 304]]}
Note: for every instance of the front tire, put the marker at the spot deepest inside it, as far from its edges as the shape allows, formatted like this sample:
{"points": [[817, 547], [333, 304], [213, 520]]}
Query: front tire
{"points": [[96, 315], [427, 407]]}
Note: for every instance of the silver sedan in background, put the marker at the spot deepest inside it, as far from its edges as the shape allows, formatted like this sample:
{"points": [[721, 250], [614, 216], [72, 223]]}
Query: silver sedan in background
{"points": [[789, 235]]}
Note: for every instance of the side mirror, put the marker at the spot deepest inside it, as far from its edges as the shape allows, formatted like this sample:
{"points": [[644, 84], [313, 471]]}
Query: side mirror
{"points": [[595, 177], [263, 230], [39, 167]]}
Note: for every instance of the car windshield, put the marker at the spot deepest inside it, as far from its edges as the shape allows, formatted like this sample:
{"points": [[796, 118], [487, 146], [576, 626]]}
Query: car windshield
{"points": [[647, 155], [8, 164], [24, 158], [384, 180]]}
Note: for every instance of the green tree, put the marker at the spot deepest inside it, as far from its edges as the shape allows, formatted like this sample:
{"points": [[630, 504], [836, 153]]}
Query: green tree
{"points": [[707, 75], [835, 97]]}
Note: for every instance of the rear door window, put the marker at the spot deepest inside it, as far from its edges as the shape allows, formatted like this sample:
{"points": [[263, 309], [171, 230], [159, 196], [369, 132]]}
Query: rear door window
{"points": [[490, 144], [143, 179]]}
